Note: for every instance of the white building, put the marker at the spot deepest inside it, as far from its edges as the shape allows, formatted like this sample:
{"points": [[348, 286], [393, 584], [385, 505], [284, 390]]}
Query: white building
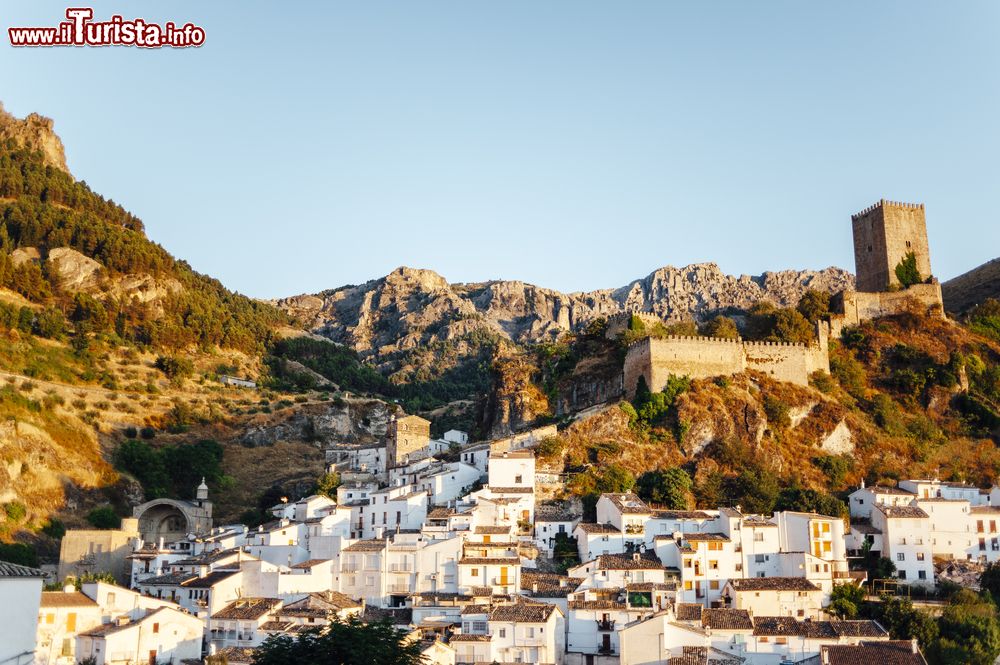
{"points": [[20, 598], [165, 635]]}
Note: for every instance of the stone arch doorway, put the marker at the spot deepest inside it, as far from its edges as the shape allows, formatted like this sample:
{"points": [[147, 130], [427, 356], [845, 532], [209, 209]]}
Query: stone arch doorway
{"points": [[163, 518]]}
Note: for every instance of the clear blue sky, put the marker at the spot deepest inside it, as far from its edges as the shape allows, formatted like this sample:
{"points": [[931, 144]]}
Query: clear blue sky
{"points": [[575, 145]]}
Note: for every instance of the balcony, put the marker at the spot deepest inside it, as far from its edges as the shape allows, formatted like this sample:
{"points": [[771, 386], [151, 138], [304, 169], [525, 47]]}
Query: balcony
{"points": [[399, 588], [606, 650], [503, 581], [350, 567], [400, 568], [605, 624], [635, 529]]}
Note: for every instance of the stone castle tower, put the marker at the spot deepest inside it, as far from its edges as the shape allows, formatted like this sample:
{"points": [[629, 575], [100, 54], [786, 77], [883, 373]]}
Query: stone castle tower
{"points": [[883, 234]]}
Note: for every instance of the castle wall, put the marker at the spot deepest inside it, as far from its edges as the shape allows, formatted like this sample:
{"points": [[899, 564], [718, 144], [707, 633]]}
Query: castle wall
{"points": [[704, 357], [618, 323], [858, 306]]}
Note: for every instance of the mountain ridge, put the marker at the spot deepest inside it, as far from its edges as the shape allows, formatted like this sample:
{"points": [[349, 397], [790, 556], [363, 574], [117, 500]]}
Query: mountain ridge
{"points": [[414, 306]]}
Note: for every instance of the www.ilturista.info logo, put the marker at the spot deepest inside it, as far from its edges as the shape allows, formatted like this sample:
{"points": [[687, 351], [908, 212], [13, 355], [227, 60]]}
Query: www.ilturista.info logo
{"points": [[79, 30]]}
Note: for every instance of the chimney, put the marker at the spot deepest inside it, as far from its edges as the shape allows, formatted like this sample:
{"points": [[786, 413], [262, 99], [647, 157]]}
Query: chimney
{"points": [[635, 556], [69, 588], [534, 587]]}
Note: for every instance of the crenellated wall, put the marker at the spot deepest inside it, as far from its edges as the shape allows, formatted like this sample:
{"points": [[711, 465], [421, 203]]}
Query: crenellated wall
{"points": [[702, 357], [857, 306]]}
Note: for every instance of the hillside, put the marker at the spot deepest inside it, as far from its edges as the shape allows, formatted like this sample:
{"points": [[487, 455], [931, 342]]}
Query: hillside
{"points": [[972, 288], [909, 396]]}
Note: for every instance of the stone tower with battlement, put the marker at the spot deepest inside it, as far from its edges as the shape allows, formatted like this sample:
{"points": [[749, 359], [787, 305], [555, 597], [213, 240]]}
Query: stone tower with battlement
{"points": [[883, 235]]}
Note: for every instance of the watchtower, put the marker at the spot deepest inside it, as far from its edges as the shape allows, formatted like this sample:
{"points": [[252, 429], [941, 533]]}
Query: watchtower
{"points": [[883, 235]]}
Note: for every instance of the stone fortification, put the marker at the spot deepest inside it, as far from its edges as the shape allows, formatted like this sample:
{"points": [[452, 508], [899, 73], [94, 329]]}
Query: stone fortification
{"points": [[702, 357], [619, 323]]}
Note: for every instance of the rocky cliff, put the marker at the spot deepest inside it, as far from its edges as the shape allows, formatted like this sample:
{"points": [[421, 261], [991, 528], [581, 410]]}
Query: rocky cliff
{"points": [[34, 132], [410, 308]]}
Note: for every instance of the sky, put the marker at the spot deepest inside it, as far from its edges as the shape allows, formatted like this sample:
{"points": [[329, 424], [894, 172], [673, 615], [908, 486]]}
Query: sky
{"points": [[571, 144]]}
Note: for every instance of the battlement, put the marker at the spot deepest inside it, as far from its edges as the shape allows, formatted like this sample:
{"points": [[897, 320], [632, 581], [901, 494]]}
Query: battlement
{"points": [[883, 203], [617, 323]]}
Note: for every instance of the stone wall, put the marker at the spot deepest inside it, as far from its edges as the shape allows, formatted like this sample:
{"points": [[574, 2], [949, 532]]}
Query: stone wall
{"points": [[857, 306], [618, 323], [703, 357]]}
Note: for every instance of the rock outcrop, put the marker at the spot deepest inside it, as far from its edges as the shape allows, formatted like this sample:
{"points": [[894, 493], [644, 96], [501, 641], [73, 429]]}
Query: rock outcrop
{"points": [[410, 308], [35, 133]]}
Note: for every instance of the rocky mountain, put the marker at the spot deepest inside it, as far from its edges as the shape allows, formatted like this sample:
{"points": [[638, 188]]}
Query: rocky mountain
{"points": [[35, 133], [972, 288], [410, 308]]}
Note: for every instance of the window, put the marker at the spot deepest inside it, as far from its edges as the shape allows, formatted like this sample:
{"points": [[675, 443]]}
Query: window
{"points": [[687, 585], [503, 632], [901, 557], [979, 526], [982, 544], [475, 572], [920, 556], [758, 536], [530, 631], [758, 558], [479, 626], [781, 640], [922, 574], [713, 585], [156, 628], [517, 480], [713, 565]]}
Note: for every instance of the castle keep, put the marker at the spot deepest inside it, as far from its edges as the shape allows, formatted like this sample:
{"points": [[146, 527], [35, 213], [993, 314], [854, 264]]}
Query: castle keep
{"points": [[883, 235]]}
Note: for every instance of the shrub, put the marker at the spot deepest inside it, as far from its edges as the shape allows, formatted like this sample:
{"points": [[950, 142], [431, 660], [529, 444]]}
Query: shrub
{"points": [[147, 432], [15, 511], [104, 517], [19, 553], [776, 411], [906, 271]]}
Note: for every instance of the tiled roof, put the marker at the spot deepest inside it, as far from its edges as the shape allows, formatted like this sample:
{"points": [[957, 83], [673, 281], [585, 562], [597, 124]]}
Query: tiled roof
{"points": [[276, 626], [903, 512], [699, 537], [366, 546], [548, 585], [590, 527], [63, 599], [879, 489], [475, 609], [650, 586], [209, 580], [597, 604], [896, 652], [984, 510], [772, 584], [399, 616], [320, 603], [110, 628], [485, 560], [467, 637], [689, 611], [645, 561], [170, 579], [237, 654], [726, 619], [628, 503], [680, 515], [757, 522], [309, 564], [247, 608], [512, 490], [858, 628], [493, 530], [545, 512], [523, 612]]}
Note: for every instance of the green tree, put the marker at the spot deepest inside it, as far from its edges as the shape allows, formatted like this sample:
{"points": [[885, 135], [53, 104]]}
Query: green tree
{"points": [[846, 600], [969, 631], [328, 484], [720, 326], [989, 580], [667, 487], [906, 271], [104, 517], [755, 489], [345, 642], [19, 553], [905, 622], [615, 478], [566, 551], [810, 501], [814, 305]]}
